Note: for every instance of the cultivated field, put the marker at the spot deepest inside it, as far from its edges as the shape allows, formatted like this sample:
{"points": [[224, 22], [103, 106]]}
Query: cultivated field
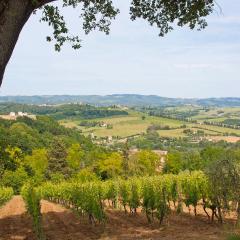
{"points": [[134, 124]]}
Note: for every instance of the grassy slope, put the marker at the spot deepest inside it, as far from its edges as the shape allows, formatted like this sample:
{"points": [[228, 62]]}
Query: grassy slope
{"points": [[124, 126]]}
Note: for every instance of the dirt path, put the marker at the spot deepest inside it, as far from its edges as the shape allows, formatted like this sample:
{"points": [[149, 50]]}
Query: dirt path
{"points": [[62, 224], [15, 224]]}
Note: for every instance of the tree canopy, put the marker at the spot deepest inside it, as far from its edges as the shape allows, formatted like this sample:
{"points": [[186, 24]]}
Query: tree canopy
{"points": [[95, 15]]}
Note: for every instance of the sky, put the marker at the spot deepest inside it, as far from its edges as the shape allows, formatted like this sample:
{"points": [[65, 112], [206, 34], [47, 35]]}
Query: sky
{"points": [[132, 59]]}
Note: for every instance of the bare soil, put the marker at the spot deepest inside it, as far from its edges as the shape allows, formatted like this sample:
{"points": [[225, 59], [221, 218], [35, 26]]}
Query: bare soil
{"points": [[230, 139], [60, 223], [15, 223]]}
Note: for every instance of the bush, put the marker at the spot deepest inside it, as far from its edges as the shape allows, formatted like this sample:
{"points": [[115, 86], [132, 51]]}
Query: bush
{"points": [[5, 195], [15, 179], [85, 175]]}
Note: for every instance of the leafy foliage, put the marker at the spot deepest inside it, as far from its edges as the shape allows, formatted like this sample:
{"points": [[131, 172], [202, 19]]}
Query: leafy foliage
{"points": [[152, 193], [57, 159], [74, 157], [15, 179], [163, 13], [38, 161], [144, 162], [28, 134], [32, 200], [5, 195], [97, 15], [86, 197], [111, 166], [63, 111], [224, 177]]}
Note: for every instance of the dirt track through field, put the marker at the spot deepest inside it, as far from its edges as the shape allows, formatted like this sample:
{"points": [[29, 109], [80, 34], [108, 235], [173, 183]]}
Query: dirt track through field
{"points": [[15, 224], [62, 224]]}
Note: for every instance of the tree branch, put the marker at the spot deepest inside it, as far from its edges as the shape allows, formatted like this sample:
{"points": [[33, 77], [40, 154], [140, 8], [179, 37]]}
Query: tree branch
{"points": [[43, 2]]}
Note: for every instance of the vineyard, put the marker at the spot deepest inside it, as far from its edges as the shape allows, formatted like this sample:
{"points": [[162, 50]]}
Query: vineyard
{"points": [[5, 195], [32, 200], [155, 196], [149, 200]]}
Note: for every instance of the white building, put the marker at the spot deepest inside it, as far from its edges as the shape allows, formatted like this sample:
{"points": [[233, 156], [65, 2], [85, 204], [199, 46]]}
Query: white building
{"points": [[22, 114], [92, 136], [103, 124]]}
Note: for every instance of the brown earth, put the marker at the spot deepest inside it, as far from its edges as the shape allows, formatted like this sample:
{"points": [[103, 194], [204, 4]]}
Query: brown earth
{"points": [[62, 224], [15, 223], [230, 139]]}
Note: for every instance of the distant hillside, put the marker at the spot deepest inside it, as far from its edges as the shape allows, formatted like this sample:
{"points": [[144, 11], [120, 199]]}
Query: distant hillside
{"points": [[62, 111], [122, 99]]}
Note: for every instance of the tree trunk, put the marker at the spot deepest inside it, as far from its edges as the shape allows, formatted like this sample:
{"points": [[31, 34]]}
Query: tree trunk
{"points": [[13, 16], [238, 213]]}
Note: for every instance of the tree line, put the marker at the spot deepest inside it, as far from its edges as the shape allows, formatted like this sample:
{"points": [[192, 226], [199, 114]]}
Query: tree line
{"points": [[83, 111]]}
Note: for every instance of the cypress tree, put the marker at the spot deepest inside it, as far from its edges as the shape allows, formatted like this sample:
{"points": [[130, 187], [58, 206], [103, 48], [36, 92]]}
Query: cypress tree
{"points": [[57, 156]]}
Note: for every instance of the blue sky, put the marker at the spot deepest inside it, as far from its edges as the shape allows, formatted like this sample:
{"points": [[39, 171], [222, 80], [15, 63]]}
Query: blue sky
{"points": [[132, 59]]}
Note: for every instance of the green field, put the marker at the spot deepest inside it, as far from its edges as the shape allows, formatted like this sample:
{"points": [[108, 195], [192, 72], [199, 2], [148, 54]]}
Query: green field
{"points": [[134, 124], [218, 114], [123, 126], [208, 113]]}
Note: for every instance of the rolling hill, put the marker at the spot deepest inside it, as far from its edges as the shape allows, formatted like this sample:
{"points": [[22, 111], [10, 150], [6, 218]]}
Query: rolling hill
{"points": [[121, 99]]}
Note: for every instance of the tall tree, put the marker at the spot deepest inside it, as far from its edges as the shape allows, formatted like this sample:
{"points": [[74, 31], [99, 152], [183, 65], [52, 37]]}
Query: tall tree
{"points": [[74, 157], [38, 160], [144, 162], [96, 14], [125, 153], [111, 166], [224, 179], [57, 162]]}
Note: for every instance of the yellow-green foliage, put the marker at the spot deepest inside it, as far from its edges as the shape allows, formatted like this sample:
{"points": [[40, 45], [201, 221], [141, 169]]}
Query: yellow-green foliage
{"points": [[111, 166], [194, 187], [37, 160], [14, 179], [153, 194], [84, 197], [32, 200], [143, 163], [5, 195], [74, 157]]}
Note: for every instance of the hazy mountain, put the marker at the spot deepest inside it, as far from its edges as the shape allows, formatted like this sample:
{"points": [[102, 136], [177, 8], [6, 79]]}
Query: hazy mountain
{"points": [[122, 99]]}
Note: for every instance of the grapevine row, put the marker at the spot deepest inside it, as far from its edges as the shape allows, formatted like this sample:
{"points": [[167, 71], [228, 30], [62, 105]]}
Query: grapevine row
{"points": [[32, 200], [155, 196]]}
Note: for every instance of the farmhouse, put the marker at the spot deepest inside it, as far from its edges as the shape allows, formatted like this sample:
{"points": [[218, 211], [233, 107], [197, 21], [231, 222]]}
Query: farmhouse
{"points": [[14, 116], [110, 138], [22, 114], [103, 124]]}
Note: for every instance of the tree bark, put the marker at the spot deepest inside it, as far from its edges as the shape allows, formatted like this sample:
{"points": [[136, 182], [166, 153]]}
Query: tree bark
{"points": [[238, 213], [13, 16]]}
